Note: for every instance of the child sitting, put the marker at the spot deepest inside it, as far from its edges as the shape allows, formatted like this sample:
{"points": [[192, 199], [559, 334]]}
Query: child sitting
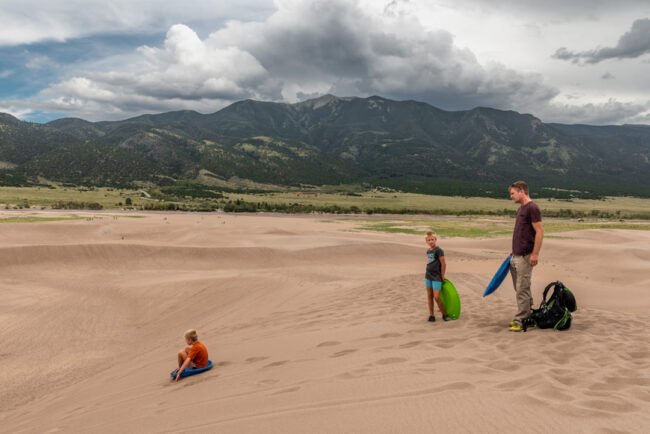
{"points": [[193, 356]]}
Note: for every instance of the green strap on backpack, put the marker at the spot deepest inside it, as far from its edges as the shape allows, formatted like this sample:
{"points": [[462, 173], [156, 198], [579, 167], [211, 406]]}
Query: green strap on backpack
{"points": [[554, 313]]}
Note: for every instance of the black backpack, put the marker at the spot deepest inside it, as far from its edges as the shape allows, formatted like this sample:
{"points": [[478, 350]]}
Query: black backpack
{"points": [[554, 313]]}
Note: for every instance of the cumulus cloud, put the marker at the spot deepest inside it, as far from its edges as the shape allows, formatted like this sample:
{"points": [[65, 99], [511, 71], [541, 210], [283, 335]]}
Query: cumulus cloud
{"points": [[634, 43], [555, 10], [30, 21], [323, 47], [16, 111], [304, 48], [607, 112], [185, 73], [40, 62]]}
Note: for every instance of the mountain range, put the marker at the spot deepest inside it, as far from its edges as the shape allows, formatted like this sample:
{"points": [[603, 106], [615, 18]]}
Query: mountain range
{"points": [[406, 145]]}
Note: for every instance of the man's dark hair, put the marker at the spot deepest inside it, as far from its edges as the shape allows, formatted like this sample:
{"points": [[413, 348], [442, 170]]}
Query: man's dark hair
{"points": [[520, 185]]}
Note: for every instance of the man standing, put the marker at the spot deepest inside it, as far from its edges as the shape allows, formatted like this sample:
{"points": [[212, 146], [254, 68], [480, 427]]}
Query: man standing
{"points": [[526, 243]]}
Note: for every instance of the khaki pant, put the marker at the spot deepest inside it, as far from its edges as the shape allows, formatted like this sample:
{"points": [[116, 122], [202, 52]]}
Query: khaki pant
{"points": [[522, 271]]}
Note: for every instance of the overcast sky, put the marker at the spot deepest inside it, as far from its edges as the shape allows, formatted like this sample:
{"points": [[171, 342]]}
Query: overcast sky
{"points": [[563, 61]]}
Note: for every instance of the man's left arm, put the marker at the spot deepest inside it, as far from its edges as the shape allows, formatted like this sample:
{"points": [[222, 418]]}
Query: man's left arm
{"points": [[539, 236]]}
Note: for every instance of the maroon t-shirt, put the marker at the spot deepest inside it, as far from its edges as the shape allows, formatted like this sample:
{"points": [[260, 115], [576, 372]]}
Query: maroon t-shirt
{"points": [[523, 237]]}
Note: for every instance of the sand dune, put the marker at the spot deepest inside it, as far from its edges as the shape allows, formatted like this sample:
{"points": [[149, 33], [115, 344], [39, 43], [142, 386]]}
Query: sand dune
{"points": [[313, 327]]}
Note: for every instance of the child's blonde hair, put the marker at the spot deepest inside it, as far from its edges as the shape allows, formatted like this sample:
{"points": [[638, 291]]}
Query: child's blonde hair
{"points": [[431, 234], [191, 335]]}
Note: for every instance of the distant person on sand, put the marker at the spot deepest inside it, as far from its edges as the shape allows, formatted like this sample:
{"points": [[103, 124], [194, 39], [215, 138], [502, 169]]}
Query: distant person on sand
{"points": [[526, 243], [435, 275], [193, 356]]}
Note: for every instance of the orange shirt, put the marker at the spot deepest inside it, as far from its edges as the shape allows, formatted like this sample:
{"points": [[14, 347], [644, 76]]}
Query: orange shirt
{"points": [[199, 355]]}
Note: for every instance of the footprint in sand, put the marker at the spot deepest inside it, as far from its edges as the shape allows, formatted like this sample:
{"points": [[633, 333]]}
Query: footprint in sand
{"points": [[619, 383], [255, 359], [470, 360], [504, 366], [224, 363], [390, 335], [605, 388], [350, 375], [459, 385], [271, 365], [343, 353], [390, 360], [328, 344], [559, 357], [75, 410], [567, 379], [410, 344], [519, 383], [531, 400], [445, 345], [289, 390], [614, 406], [417, 331], [438, 360], [552, 393], [636, 356]]}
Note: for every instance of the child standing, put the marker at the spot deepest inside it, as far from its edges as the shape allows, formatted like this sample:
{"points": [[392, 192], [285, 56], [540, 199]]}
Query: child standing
{"points": [[194, 355], [435, 275]]}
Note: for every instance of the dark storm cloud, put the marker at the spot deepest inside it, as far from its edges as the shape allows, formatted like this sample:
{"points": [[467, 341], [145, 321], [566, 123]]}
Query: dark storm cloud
{"points": [[610, 112], [555, 10], [337, 47], [305, 49], [634, 43]]}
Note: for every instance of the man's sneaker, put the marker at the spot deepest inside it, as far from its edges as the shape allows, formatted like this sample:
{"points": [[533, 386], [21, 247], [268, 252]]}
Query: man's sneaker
{"points": [[445, 317], [512, 323], [432, 318], [515, 328]]}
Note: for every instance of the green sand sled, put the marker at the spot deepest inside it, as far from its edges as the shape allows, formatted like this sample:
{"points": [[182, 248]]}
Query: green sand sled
{"points": [[450, 299]]}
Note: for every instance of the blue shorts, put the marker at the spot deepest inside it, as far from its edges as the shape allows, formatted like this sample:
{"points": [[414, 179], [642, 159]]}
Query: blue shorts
{"points": [[436, 286]]}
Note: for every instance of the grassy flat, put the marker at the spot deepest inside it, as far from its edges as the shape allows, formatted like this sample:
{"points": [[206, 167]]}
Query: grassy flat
{"points": [[369, 201], [616, 206], [481, 228], [38, 219]]}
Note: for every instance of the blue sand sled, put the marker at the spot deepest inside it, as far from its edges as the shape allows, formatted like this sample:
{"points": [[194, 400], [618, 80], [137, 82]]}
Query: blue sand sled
{"points": [[496, 281], [188, 372]]}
